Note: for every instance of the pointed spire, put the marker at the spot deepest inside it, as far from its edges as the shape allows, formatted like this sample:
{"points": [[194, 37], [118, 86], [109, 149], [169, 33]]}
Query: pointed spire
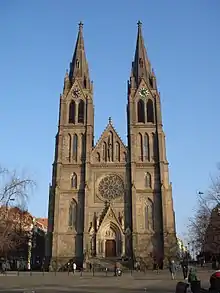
{"points": [[141, 67], [79, 66]]}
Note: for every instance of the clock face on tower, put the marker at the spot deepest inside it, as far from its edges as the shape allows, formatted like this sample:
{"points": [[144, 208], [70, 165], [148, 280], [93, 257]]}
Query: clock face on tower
{"points": [[76, 93], [144, 92]]}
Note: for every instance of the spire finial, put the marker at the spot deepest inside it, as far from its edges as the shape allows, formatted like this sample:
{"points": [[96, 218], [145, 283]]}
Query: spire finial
{"points": [[110, 120], [80, 26], [139, 23]]}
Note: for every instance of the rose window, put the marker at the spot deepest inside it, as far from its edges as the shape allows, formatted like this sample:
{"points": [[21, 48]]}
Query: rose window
{"points": [[111, 186]]}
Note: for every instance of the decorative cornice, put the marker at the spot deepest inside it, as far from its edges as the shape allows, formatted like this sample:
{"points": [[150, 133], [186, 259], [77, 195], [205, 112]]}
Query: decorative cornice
{"points": [[144, 165], [109, 165], [147, 190], [70, 191]]}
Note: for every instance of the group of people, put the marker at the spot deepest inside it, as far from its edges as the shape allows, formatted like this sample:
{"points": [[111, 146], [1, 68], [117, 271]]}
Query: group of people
{"points": [[188, 274]]}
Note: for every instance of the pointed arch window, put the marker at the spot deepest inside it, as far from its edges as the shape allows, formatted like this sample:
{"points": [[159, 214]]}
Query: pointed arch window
{"points": [[148, 182], [75, 147], [83, 146], [141, 62], [146, 217], [72, 214], [81, 111], [149, 215], [74, 180], [85, 82], [150, 111], [146, 147], [124, 157], [117, 151], [110, 146], [72, 112], [77, 63], [98, 157], [155, 150], [69, 146], [140, 143], [141, 111], [104, 151]]}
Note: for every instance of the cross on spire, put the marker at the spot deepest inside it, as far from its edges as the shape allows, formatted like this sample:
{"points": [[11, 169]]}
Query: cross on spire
{"points": [[80, 25], [139, 23]]}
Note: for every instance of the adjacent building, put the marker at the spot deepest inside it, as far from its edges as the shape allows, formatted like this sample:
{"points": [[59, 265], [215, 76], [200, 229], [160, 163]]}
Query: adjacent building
{"points": [[22, 238]]}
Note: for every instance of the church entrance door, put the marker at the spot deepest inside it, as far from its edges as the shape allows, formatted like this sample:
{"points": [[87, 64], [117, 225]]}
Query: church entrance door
{"points": [[110, 248]]}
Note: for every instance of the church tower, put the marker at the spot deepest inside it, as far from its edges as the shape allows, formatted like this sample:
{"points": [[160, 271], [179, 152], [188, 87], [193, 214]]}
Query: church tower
{"points": [[152, 217], [74, 142]]}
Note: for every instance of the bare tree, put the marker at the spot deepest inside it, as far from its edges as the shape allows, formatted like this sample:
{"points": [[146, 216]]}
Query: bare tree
{"points": [[198, 224], [204, 231], [14, 194]]}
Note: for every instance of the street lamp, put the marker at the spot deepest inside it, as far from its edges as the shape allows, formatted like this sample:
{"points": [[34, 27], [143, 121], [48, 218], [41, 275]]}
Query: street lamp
{"points": [[200, 193], [7, 202]]}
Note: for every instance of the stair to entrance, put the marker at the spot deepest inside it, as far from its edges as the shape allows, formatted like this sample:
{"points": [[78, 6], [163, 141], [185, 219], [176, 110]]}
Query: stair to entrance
{"points": [[109, 263]]}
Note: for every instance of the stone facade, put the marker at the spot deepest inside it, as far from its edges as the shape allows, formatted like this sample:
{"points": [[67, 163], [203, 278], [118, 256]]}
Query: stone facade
{"points": [[108, 199]]}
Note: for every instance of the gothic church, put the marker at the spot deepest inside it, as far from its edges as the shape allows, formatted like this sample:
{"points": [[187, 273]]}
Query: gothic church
{"points": [[109, 199]]}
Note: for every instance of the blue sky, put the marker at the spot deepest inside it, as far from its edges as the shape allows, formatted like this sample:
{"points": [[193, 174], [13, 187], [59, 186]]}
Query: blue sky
{"points": [[182, 39]]}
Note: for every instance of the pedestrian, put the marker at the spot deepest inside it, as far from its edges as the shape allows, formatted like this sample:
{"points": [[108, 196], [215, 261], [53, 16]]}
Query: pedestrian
{"points": [[74, 267], [193, 281], [192, 275], [172, 269], [184, 265]]}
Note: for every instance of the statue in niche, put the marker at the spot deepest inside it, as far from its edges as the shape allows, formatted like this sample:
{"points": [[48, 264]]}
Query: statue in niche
{"points": [[109, 233]]}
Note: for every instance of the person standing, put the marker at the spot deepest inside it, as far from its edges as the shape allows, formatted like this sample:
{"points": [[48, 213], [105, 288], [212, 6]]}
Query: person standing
{"points": [[184, 265], [74, 267], [172, 269]]}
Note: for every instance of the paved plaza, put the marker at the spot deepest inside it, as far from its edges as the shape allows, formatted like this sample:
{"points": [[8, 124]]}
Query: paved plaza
{"points": [[87, 283]]}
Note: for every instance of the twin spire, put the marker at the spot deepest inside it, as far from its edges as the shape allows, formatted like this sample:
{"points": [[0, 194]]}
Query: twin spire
{"points": [[79, 67], [141, 67]]}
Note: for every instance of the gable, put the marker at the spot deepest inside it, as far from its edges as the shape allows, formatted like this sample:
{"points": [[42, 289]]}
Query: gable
{"points": [[109, 147], [109, 217], [76, 92], [143, 91]]}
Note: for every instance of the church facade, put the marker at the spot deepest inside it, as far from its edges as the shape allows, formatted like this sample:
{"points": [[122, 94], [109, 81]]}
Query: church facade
{"points": [[109, 199]]}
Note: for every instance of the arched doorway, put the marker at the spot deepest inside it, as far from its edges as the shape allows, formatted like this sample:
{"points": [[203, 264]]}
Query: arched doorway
{"points": [[112, 240], [110, 248]]}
